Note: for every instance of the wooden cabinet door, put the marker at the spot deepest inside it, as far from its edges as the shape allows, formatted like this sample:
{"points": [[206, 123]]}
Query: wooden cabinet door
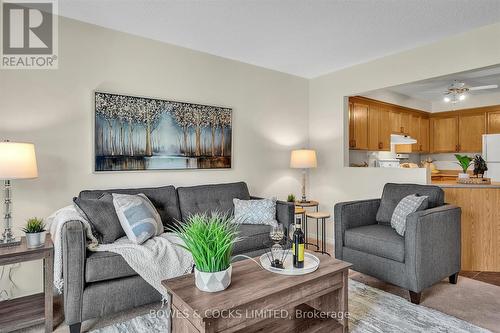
{"points": [[424, 135], [414, 132], [358, 123], [493, 122], [444, 134], [395, 120], [405, 123], [470, 132], [384, 134], [379, 131], [374, 114]]}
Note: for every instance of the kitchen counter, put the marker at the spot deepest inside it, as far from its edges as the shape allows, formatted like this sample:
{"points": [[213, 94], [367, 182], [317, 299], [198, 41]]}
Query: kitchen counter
{"points": [[454, 184], [480, 223]]}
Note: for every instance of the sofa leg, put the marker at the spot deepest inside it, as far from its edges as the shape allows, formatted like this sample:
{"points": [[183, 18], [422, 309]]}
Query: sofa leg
{"points": [[75, 328], [453, 278], [415, 297]]}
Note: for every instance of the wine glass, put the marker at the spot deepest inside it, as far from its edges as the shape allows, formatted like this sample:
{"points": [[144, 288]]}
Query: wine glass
{"points": [[277, 233]]}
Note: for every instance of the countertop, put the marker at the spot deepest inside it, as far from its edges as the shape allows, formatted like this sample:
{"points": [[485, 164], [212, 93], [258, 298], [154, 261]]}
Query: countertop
{"points": [[454, 184]]}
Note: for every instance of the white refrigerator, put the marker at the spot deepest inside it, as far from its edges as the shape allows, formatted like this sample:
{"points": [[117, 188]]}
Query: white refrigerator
{"points": [[491, 154]]}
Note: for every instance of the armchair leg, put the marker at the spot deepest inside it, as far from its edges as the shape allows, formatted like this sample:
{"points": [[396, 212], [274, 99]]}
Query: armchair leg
{"points": [[453, 278], [75, 328], [415, 297]]}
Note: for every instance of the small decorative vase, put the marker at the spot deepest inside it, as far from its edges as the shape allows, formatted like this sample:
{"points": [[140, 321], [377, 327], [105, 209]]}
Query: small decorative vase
{"points": [[35, 239], [213, 282], [463, 175]]}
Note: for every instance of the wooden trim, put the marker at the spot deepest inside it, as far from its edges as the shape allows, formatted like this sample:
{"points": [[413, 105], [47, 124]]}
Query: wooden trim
{"points": [[392, 107]]}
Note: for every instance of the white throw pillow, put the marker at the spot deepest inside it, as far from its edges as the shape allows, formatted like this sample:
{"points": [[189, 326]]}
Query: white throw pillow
{"points": [[138, 217], [261, 211], [405, 207]]}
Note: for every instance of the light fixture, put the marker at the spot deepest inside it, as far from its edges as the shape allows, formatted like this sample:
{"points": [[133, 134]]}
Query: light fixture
{"points": [[447, 99], [461, 97], [17, 161], [303, 159]]}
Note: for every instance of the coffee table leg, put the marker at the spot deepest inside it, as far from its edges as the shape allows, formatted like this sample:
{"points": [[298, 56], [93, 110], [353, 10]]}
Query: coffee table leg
{"points": [[335, 302]]}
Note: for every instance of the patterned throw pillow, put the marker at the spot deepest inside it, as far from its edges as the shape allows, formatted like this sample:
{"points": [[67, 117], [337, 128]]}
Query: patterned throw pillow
{"points": [[138, 217], [405, 207], [261, 211]]}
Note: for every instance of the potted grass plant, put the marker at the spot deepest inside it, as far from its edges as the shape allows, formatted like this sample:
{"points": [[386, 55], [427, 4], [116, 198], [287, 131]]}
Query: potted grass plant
{"points": [[290, 198], [210, 240], [35, 232], [465, 162]]}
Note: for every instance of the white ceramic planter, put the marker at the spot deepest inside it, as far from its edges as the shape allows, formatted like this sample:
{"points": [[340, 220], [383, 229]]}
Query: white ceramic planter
{"points": [[463, 175], [213, 282], [34, 240]]}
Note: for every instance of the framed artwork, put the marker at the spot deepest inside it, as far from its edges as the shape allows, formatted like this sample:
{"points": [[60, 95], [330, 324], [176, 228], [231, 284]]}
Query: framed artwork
{"points": [[138, 133]]}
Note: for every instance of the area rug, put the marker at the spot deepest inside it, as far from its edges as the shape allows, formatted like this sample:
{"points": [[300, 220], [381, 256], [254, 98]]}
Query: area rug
{"points": [[370, 309]]}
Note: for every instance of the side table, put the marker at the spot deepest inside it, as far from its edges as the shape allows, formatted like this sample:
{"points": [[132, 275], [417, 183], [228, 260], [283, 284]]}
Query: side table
{"points": [[35, 309]]}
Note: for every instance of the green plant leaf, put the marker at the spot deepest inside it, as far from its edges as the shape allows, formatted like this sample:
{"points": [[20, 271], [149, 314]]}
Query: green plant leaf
{"points": [[209, 239]]}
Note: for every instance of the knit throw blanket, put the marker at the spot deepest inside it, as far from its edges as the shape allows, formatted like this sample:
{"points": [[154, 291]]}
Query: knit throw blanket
{"points": [[157, 259]]}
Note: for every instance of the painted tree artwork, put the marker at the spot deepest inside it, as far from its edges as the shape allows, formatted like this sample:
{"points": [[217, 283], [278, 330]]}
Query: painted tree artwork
{"points": [[138, 133]]}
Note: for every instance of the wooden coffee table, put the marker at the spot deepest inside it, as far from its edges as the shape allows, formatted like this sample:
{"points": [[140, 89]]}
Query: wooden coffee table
{"points": [[261, 301]]}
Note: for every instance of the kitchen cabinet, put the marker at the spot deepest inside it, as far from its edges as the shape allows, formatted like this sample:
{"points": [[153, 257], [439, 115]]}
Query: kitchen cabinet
{"points": [[358, 126], [444, 134], [471, 128], [414, 131], [379, 132], [399, 122], [493, 119], [424, 135]]}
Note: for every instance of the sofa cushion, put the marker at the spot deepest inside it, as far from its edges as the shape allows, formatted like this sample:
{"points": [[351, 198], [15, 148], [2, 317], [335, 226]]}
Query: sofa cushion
{"points": [[255, 237], [393, 193], [259, 211], [101, 215], [377, 239], [163, 198], [138, 217], [204, 199], [101, 266]]}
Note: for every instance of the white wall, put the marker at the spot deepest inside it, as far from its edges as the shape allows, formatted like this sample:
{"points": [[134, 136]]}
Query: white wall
{"points": [[331, 182], [53, 109]]}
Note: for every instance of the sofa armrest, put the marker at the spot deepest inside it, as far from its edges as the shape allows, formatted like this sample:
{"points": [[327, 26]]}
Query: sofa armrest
{"points": [[352, 214], [285, 213], [74, 253], [432, 245]]}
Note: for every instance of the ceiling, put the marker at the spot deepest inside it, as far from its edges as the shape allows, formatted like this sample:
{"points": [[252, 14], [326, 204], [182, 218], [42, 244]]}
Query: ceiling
{"points": [[304, 38], [432, 90]]}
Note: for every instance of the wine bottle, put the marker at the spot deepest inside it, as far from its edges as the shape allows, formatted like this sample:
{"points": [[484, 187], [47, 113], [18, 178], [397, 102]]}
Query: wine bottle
{"points": [[298, 246]]}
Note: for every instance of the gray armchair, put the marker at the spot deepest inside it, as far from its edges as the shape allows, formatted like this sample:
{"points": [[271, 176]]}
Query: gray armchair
{"points": [[428, 252]]}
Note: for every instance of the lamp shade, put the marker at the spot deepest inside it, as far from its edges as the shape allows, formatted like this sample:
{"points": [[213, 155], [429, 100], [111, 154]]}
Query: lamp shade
{"points": [[303, 159], [17, 161]]}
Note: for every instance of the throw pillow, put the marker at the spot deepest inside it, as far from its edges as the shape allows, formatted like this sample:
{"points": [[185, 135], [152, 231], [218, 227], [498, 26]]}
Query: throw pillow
{"points": [[101, 215], [405, 207], [138, 217], [261, 211]]}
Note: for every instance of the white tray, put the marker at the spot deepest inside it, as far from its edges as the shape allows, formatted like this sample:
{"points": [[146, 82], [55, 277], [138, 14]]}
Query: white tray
{"points": [[311, 263]]}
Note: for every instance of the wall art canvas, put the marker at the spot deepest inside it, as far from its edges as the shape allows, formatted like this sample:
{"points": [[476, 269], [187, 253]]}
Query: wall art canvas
{"points": [[139, 133]]}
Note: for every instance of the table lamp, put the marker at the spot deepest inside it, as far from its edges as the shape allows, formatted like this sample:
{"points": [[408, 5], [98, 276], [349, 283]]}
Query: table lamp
{"points": [[17, 161], [303, 159]]}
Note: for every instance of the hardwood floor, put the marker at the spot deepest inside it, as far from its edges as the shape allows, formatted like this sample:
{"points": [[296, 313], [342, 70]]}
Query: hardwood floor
{"points": [[487, 277]]}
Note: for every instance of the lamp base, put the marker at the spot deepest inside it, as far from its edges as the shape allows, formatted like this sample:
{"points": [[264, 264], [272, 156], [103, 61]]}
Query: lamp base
{"points": [[9, 242], [304, 201]]}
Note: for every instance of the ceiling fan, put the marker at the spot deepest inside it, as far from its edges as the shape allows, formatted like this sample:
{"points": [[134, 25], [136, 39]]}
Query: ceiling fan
{"points": [[457, 91]]}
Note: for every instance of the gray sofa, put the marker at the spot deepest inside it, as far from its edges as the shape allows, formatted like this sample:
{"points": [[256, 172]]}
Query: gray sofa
{"points": [[101, 283], [428, 252]]}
